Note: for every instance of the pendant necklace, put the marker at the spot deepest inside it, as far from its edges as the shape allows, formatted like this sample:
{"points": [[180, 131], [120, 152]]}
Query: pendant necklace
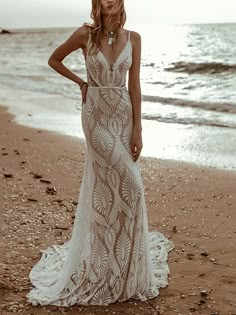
{"points": [[110, 41], [111, 38]]}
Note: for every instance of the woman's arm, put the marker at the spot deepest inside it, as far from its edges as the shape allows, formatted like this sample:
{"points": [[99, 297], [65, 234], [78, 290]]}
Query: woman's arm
{"points": [[77, 40], [135, 95], [134, 79]]}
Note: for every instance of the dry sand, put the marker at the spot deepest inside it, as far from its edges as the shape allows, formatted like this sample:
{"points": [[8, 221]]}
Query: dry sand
{"points": [[194, 206]]}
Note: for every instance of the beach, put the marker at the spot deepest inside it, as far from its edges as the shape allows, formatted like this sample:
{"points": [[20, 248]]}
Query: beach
{"points": [[191, 204], [188, 163]]}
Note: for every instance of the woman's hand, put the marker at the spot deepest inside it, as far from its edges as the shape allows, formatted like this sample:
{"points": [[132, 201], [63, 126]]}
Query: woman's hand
{"points": [[83, 89], [136, 143]]}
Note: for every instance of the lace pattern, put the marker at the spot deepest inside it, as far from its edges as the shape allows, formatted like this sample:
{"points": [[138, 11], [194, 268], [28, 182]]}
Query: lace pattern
{"points": [[111, 256]]}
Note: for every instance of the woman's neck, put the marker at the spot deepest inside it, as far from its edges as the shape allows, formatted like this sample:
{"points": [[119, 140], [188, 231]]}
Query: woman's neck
{"points": [[105, 24]]}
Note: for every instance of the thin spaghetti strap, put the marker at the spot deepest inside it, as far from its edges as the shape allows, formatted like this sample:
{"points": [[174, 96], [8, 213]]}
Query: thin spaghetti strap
{"points": [[88, 43], [129, 35]]}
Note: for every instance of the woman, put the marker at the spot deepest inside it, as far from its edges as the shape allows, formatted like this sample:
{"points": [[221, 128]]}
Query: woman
{"points": [[111, 255]]}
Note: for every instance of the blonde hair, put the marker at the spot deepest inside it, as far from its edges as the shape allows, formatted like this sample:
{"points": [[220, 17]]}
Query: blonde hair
{"points": [[116, 22]]}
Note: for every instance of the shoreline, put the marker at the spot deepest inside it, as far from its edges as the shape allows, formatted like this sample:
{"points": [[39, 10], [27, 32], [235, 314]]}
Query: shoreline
{"points": [[206, 146], [194, 206]]}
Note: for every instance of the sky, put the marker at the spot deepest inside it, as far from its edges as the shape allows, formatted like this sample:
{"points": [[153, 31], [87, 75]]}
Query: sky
{"points": [[71, 13]]}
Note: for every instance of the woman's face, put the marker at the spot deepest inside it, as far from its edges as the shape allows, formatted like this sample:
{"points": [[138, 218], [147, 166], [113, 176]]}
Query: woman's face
{"points": [[109, 7]]}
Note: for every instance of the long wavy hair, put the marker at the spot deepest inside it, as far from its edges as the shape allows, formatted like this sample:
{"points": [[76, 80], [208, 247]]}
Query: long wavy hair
{"points": [[115, 23]]}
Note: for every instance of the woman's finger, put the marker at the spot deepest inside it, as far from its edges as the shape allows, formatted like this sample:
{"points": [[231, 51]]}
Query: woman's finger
{"points": [[133, 150], [83, 95], [84, 92], [137, 152]]}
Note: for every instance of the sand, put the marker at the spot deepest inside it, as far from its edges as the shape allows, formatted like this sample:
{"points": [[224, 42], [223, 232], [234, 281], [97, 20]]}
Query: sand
{"points": [[194, 206]]}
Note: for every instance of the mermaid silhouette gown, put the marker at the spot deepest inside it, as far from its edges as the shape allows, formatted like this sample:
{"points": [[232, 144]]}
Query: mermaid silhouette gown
{"points": [[111, 255]]}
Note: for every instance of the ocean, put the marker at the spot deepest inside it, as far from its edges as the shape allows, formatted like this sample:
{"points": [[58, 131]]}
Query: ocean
{"points": [[188, 79]]}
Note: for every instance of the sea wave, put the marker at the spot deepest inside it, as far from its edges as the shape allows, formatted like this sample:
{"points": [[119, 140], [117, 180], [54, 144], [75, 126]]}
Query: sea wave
{"points": [[219, 107], [222, 117], [201, 67], [191, 120]]}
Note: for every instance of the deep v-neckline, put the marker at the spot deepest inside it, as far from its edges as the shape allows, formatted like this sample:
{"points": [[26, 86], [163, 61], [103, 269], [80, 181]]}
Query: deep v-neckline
{"points": [[116, 60]]}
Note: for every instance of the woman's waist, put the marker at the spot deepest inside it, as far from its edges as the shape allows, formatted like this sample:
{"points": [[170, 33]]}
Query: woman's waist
{"points": [[108, 87], [108, 94]]}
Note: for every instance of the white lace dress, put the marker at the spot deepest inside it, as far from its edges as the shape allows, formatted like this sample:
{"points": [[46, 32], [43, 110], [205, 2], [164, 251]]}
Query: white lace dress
{"points": [[111, 255]]}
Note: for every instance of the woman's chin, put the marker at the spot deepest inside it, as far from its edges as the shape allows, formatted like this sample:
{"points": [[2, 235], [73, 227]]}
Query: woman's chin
{"points": [[110, 12]]}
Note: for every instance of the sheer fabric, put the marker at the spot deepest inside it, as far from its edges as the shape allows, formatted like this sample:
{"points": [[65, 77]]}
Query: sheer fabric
{"points": [[111, 255]]}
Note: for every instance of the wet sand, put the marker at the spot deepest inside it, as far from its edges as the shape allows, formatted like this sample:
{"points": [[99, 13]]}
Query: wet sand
{"points": [[194, 206]]}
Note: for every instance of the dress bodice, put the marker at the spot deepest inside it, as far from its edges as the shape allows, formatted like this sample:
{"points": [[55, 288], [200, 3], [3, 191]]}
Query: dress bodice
{"points": [[100, 73]]}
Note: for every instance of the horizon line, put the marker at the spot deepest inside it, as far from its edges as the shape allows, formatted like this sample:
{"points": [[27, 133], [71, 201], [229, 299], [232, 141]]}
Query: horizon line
{"points": [[57, 26]]}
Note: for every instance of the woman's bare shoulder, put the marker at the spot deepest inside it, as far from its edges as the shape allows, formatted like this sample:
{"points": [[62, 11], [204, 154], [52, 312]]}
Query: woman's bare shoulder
{"points": [[82, 32], [135, 36], [78, 38]]}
